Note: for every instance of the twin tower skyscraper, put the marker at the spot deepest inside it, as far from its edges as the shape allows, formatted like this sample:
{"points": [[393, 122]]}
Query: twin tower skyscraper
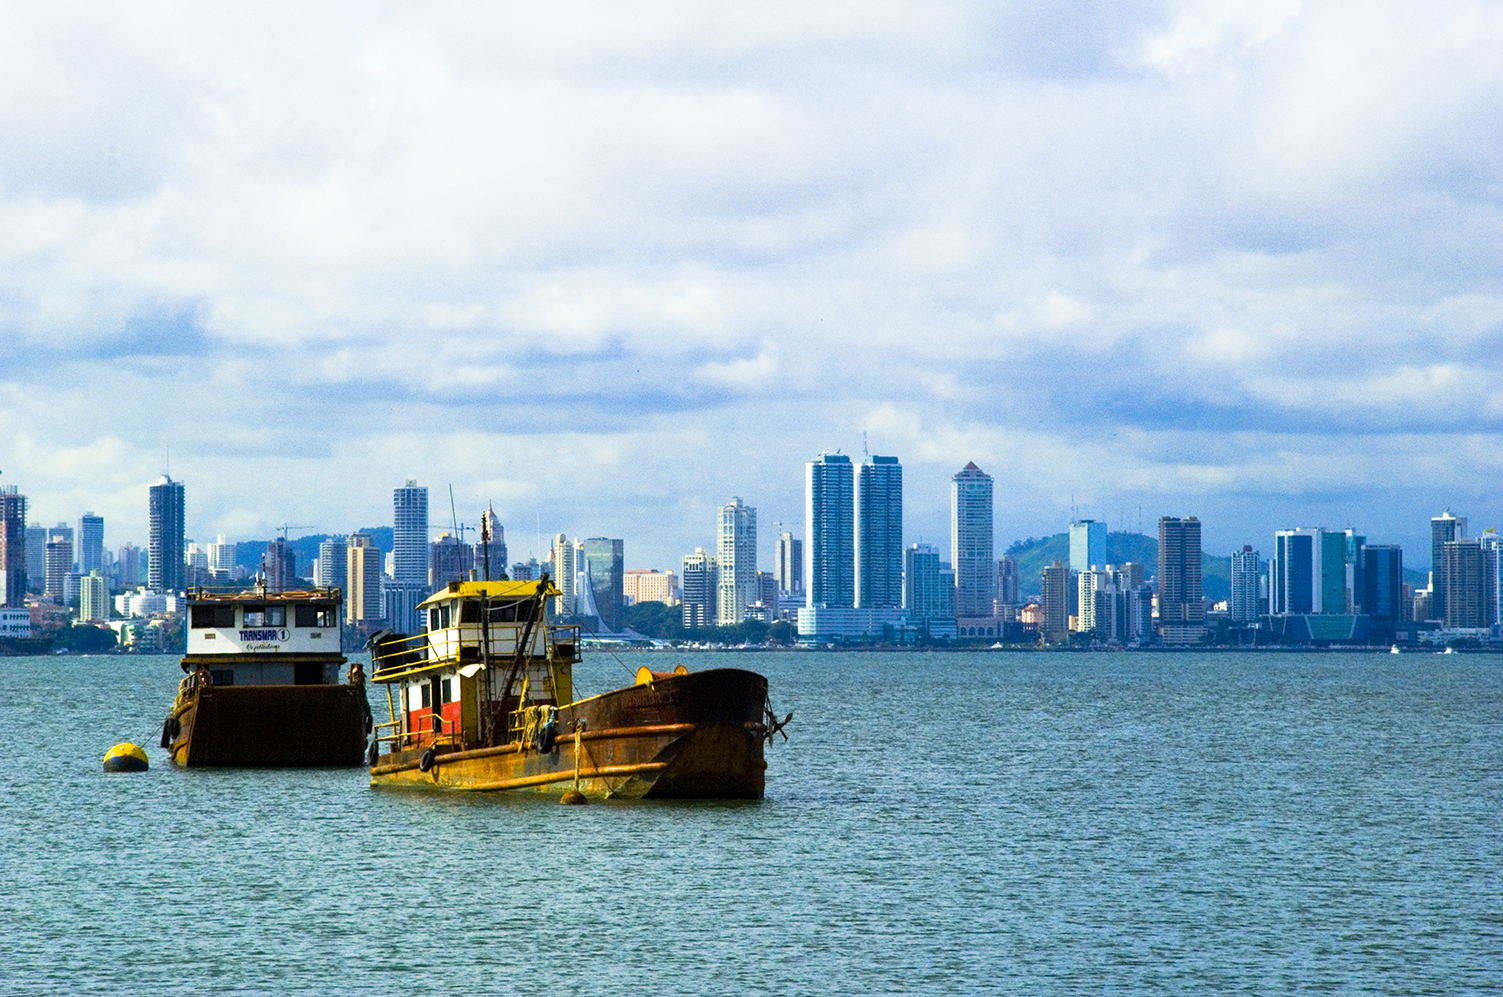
{"points": [[853, 532]]}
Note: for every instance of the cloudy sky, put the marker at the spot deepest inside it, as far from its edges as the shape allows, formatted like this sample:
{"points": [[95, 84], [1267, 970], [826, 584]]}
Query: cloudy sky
{"points": [[605, 265]]}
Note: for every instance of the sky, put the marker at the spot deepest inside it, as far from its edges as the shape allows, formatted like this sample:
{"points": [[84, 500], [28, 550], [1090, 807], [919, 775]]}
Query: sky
{"points": [[605, 265]]}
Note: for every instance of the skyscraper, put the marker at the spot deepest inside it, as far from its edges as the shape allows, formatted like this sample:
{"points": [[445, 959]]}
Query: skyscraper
{"points": [[281, 566], [879, 533], [449, 560], [90, 550], [607, 576], [1381, 592], [789, 569], [165, 536], [1087, 545], [490, 556], [13, 574], [971, 541], [1312, 571], [333, 563], [1470, 597], [36, 557], [1055, 600], [222, 566], [1179, 573], [93, 598], [363, 571], [1443, 529], [1243, 604], [410, 534], [564, 569], [128, 566], [698, 582], [928, 592], [59, 564], [1007, 581], [829, 532], [736, 551]]}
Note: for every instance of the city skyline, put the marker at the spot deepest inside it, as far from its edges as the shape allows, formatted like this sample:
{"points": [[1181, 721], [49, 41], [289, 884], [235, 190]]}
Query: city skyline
{"points": [[607, 270]]}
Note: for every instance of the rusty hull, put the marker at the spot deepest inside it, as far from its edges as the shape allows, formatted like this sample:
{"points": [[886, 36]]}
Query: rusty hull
{"points": [[698, 735], [271, 726]]}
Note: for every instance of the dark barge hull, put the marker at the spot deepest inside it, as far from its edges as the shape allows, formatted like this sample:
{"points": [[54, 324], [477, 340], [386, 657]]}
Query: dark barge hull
{"points": [[693, 736], [271, 726]]}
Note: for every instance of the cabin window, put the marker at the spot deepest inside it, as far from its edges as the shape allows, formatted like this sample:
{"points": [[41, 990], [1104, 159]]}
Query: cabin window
{"points": [[504, 614], [446, 690], [276, 616], [313, 616], [469, 611], [427, 696], [259, 615], [255, 616], [222, 676], [433, 619], [212, 617]]}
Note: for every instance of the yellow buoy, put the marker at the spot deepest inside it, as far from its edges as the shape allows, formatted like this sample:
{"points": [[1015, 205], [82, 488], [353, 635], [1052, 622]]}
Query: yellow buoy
{"points": [[126, 757], [573, 796]]}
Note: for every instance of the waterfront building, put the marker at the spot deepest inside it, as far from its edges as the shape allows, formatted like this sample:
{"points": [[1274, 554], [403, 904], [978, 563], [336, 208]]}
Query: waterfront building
{"points": [[928, 588], [1443, 529], [1007, 581], [564, 567], [829, 532], [362, 602], [1492, 546], [15, 621], [36, 557], [59, 565], [410, 535], [165, 536], [971, 543], [736, 551], [606, 561], [1087, 545], [879, 533], [650, 585], [490, 558], [333, 563], [13, 571], [1054, 602], [1090, 583], [1381, 589], [699, 586], [449, 560], [281, 566], [90, 550], [1309, 572], [1469, 584], [93, 597], [1181, 609], [789, 569], [1243, 604]]}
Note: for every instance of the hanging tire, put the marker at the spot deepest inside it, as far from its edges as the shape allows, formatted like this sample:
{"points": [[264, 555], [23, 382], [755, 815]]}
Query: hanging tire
{"points": [[426, 762]]}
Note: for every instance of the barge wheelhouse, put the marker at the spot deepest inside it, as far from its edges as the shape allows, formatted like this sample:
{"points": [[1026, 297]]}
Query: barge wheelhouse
{"points": [[484, 700], [263, 684]]}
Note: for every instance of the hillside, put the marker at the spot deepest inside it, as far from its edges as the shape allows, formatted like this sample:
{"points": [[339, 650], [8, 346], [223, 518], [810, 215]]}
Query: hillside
{"points": [[1035, 553]]}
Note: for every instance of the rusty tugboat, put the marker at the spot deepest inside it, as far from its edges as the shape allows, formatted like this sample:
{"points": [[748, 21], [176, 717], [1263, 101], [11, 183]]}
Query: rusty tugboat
{"points": [[263, 687], [484, 700]]}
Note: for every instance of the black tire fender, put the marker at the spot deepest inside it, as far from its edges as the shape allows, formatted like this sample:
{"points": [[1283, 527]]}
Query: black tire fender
{"points": [[426, 762]]}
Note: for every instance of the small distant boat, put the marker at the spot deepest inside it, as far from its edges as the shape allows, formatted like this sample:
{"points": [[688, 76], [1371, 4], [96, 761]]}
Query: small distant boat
{"points": [[484, 700], [1394, 650], [1449, 650], [263, 687]]}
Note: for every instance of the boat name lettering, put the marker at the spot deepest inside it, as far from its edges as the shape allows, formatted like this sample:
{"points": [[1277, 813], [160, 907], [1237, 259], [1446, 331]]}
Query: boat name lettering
{"points": [[263, 635]]}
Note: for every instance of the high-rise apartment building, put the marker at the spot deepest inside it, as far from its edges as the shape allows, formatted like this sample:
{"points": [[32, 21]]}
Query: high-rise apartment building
{"points": [[1091, 583], [736, 552], [789, 570], [971, 541], [564, 568], [93, 597], [13, 573], [490, 554], [928, 590], [1055, 601], [1087, 545], [128, 570], [222, 566], [362, 598], [1443, 529], [1008, 591], [1180, 591], [1381, 588], [195, 566], [410, 534], [36, 557], [650, 585], [281, 566], [879, 533], [829, 532], [449, 560], [607, 575], [59, 565], [90, 552], [699, 582], [333, 563], [1243, 604], [165, 536], [1470, 581]]}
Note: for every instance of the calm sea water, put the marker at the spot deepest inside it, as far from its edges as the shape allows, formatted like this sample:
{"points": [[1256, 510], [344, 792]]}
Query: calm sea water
{"points": [[939, 823]]}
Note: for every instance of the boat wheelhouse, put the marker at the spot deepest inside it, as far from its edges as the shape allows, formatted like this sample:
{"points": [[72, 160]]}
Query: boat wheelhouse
{"points": [[484, 699], [263, 685]]}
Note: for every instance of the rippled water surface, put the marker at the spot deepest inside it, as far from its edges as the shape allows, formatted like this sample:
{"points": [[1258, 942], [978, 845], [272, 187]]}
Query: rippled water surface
{"points": [[939, 823]]}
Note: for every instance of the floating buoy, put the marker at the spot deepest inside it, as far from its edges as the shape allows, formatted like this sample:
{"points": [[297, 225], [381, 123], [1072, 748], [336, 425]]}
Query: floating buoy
{"points": [[126, 757], [573, 797]]}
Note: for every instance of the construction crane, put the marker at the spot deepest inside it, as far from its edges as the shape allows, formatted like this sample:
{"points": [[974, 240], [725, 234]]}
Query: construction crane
{"points": [[286, 527]]}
